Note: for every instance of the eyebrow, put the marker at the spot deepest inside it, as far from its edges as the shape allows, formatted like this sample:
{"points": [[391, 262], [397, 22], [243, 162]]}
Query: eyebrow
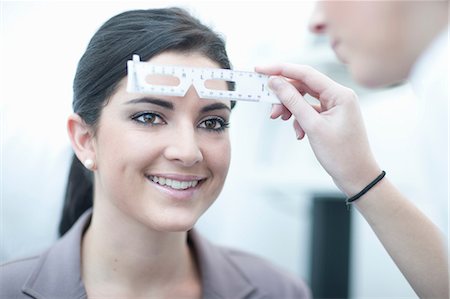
{"points": [[147, 100], [169, 105], [214, 106]]}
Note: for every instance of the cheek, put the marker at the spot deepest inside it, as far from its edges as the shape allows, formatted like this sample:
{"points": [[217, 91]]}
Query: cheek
{"points": [[374, 62], [371, 29], [370, 43], [217, 154], [116, 148], [124, 154]]}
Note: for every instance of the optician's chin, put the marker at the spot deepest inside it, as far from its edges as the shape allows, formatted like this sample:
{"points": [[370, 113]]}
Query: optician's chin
{"points": [[375, 75]]}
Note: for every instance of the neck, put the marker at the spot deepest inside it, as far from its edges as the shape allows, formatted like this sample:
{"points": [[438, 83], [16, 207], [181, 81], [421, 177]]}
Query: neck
{"points": [[123, 257], [428, 19]]}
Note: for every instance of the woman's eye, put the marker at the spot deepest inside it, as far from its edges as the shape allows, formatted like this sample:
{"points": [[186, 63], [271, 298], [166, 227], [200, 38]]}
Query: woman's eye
{"points": [[214, 124], [148, 118]]}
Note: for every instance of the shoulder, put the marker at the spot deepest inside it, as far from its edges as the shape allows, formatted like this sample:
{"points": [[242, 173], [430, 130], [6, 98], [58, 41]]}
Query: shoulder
{"points": [[265, 276], [14, 274]]}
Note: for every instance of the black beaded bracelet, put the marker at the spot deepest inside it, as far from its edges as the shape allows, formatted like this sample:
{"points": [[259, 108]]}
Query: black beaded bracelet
{"points": [[368, 187]]}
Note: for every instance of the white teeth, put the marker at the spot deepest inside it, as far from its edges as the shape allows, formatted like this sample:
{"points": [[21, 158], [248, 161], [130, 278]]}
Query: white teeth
{"points": [[176, 185], [173, 183]]}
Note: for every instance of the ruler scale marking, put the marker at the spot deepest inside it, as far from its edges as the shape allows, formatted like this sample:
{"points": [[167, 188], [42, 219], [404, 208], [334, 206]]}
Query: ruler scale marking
{"points": [[249, 86]]}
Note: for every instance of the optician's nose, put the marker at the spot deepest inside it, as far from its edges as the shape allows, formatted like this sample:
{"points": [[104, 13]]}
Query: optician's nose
{"points": [[184, 147], [317, 22]]}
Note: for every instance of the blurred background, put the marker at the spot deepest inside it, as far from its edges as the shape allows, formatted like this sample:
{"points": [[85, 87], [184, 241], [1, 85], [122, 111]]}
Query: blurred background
{"points": [[277, 202]]}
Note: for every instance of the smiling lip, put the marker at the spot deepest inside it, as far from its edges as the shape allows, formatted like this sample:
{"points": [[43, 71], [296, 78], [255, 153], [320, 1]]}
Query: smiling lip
{"points": [[335, 45], [181, 187]]}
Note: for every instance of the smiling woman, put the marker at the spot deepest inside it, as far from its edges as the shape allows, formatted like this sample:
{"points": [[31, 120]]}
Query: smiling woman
{"points": [[151, 167], [180, 141]]}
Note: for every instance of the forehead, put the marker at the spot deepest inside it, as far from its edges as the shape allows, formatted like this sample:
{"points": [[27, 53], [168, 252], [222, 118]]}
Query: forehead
{"points": [[193, 59]]}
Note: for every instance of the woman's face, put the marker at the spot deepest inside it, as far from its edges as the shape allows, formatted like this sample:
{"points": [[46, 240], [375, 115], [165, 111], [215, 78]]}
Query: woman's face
{"points": [[376, 39], [163, 160]]}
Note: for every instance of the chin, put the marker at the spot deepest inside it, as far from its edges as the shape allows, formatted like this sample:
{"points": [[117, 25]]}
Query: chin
{"points": [[374, 77], [371, 82], [179, 228], [178, 225]]}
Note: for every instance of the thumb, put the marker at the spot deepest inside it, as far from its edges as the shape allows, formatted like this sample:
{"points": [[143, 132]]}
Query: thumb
{"points": [[292, 99]]}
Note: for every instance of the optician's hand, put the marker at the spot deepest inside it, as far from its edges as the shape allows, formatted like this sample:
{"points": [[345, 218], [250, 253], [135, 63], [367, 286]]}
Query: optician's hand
{"points": [[334, 127], [336, 132]]}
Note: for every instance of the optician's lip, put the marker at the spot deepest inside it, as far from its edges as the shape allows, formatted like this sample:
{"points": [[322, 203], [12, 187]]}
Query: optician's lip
{"points": [[335, 46], [334, 43]]}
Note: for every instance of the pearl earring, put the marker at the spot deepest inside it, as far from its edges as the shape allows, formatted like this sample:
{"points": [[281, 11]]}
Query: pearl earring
{"points": [[89, 164]]}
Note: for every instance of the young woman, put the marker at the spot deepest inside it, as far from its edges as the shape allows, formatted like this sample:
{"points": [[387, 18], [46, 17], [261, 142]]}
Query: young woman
{"points": [[157, 164]]}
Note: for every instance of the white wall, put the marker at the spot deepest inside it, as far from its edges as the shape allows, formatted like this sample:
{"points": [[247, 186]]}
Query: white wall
{"points": [[265, 205]]}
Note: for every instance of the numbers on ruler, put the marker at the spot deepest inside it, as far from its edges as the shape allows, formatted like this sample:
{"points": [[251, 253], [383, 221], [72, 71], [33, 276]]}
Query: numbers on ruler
{"points": [[247, 85]]}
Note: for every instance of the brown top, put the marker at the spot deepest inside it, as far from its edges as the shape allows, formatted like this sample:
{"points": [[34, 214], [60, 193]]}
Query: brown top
{"points": [[225, 273]]}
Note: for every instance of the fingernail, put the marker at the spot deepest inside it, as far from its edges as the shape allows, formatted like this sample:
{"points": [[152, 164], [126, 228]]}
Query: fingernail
{"points": [[275, 83], [272, 113], [297, 134]]}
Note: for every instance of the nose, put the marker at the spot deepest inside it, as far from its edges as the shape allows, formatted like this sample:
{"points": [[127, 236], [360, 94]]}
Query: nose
{"points": [[184, 147], [317, 22]]}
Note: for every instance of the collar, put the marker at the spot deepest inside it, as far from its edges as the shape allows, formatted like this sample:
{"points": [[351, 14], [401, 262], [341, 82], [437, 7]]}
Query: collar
{"points": [[58, 271], [221, 277]]}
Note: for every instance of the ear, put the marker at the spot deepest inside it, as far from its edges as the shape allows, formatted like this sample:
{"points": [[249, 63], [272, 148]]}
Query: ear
{"points": [[82, 138]]}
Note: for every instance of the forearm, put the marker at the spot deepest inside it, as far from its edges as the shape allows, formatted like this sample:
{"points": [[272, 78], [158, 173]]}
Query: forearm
{"points": [[415, 244], [336, 133]]}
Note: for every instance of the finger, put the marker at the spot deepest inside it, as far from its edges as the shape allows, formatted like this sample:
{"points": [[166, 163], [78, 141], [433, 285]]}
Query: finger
{"points": [[302, 88], [318, 108], [273, 69], [276, 70], [293, 100], [312, 81], [280, 110], [277, 110], [286, 114], [299, 132]]}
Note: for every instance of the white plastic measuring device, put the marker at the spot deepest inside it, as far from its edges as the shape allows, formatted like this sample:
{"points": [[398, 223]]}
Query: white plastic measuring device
{"points": [[249, 86]]}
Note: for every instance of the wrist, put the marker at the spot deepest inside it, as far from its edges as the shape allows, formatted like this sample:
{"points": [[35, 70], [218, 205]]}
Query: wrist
{"points": [[358, 181], [366, 189]]}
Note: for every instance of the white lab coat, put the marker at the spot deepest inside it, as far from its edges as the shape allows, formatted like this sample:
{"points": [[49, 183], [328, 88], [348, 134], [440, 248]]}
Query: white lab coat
{"points": [[430, 81]]}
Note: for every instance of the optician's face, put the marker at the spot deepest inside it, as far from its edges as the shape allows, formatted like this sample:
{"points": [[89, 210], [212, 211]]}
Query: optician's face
{"points": [[163, 160], [374, 38]]}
